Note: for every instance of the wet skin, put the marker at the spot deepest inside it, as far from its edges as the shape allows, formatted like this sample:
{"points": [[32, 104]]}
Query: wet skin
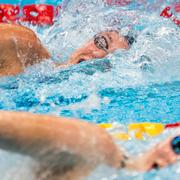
{"points": [[69, 149], [20, 48]]}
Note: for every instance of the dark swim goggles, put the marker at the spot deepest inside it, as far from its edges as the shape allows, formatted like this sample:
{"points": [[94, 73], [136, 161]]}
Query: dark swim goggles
{"points": [[101, 42]]}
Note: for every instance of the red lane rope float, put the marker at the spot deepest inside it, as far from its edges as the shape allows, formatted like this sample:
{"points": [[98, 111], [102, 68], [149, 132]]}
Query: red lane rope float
{"points": [[175, 125], [38, 14], [167, 13], [9, 12], [177, 7], [41, 14]]}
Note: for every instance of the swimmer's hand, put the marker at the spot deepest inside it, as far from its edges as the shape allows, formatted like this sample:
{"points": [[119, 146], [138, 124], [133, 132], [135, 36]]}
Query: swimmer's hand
{"points": [[159, 156]]}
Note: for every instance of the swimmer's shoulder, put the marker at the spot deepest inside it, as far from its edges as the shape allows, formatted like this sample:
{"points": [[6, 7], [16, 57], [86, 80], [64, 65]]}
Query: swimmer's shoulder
{"points": [[14, 26], [15, 29]]}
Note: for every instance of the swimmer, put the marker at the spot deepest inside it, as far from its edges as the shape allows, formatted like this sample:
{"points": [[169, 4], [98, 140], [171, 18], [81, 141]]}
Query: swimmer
{"points": [[20, 48], [68, 149]]}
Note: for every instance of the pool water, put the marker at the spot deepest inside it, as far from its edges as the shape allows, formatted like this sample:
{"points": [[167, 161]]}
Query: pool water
{"points": [[142, 84]]}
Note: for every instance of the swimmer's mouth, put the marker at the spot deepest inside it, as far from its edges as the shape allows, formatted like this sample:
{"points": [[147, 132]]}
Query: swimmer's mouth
{"points": [[81, 60]]}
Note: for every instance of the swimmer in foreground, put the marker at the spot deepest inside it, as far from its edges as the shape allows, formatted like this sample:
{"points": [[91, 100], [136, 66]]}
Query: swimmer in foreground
{"points": [[68, 149], [20, 48]]}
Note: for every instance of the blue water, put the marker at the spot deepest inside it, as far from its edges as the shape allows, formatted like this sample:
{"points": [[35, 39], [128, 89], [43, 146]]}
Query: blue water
{"points": [[123, 87]]}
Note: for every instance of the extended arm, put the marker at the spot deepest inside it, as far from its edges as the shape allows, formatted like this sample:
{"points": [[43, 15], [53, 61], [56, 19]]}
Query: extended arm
{"points": [[41, 135], [73, 142]]}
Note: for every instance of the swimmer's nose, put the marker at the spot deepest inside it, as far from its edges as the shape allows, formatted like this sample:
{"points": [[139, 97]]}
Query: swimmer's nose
{"points": [[130, 39]]}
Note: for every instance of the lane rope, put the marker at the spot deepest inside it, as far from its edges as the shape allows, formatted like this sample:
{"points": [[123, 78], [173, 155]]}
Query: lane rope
{"points": [[137, 130], [44, 14]]}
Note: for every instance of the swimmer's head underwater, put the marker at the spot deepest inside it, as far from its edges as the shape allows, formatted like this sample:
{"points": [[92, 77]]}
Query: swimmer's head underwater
{"points": [[20, 48]]}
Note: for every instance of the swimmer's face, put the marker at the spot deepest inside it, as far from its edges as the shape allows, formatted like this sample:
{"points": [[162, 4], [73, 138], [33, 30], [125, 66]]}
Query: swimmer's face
{"points": [[101, 45], [113, 41]]}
